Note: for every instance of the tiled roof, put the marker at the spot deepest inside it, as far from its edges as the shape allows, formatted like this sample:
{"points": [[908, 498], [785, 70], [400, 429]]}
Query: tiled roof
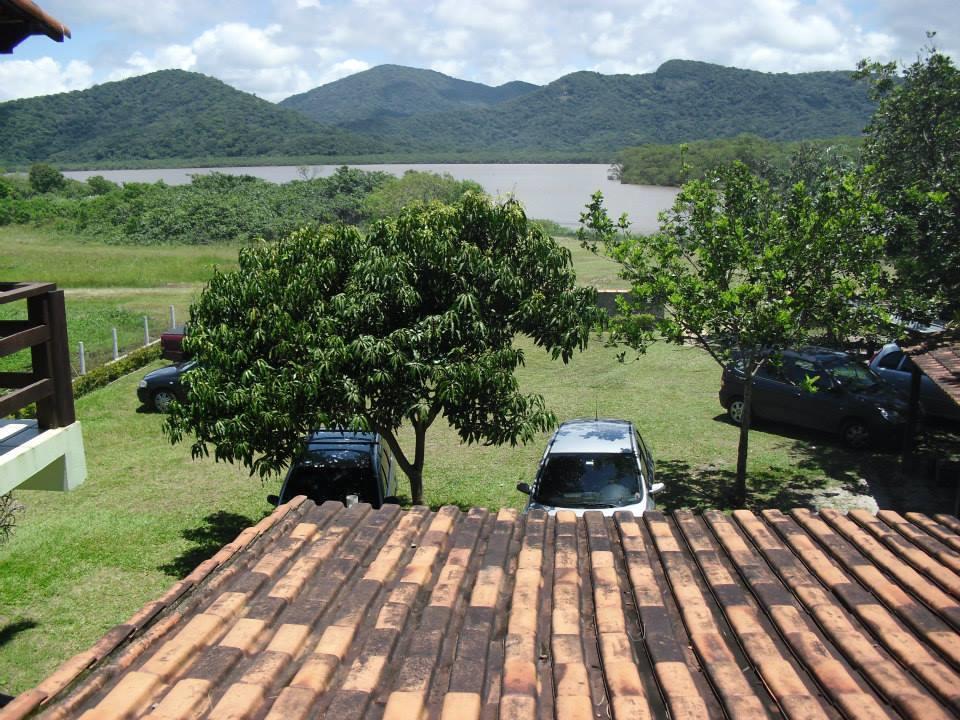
{"points": [[348, 613], [19, 19], [939, 358]]}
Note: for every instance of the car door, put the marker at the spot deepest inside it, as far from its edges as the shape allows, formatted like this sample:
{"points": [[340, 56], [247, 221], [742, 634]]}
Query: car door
{"points": [[811, 403], [773, 394]]}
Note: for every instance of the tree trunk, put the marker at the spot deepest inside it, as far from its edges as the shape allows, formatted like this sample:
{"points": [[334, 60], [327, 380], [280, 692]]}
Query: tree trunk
{"points": [[416, 472], [740, 486]]}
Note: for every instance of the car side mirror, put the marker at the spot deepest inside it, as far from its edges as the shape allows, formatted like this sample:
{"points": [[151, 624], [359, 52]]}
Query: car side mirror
{"points": [[273, 499], [524, 488], [656, 488]]}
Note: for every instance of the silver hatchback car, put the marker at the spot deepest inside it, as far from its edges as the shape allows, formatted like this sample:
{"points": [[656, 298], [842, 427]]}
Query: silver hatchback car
{"points": [[594, 464]]}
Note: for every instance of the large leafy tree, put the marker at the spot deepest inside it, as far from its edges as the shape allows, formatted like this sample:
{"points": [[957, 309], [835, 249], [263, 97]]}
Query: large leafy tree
{"points": [[745, 270], [408, 323], [912, 151]]}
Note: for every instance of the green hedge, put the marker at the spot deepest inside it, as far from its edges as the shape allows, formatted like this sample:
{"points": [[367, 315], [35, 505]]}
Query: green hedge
{"points": [[104, 375]]}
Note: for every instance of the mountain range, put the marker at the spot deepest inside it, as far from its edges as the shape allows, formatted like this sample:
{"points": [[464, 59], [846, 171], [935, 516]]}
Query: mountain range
{"points": [[407, 113]]}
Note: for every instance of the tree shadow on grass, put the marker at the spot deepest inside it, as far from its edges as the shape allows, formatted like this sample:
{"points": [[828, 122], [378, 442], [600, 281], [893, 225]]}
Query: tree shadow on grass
{"points": [[711, 488], [914, 485], [217, 530], [10, 630], [905, 484]]}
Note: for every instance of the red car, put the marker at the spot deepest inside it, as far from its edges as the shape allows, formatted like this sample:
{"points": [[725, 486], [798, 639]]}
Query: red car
{"points": [[171, 344]]}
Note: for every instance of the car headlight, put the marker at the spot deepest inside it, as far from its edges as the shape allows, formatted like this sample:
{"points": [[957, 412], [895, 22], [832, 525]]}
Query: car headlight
{"points": [[890, 415], [143, 384]]}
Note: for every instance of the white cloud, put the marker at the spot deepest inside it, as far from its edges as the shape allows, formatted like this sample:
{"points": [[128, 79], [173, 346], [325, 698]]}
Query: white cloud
{"points": [[180, 57], [237, 45], [279, 47], [43, 76], [341, 70]]}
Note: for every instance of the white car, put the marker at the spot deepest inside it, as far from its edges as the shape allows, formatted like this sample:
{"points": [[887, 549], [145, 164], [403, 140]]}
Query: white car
{"points": [[896, 367], [594, 464]]}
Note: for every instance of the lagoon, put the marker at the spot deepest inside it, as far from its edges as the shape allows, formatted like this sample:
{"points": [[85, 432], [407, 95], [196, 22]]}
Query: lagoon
{"points": [[555, 192]]}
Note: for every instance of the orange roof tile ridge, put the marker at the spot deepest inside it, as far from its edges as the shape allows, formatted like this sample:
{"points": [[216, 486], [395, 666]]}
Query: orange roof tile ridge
{"points": [[905, 580], [913, 668], [687, 693], [722, 661], [67, 674], [920, 560], [928, 543]]}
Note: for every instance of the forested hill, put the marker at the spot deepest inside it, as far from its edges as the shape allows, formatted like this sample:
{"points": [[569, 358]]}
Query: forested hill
{"points": [[409, 114], [166, 114], [389, 91], [681, 101]]}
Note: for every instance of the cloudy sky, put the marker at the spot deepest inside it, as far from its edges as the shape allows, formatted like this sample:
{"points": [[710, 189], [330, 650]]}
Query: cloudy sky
{"points": [[276, 48]]}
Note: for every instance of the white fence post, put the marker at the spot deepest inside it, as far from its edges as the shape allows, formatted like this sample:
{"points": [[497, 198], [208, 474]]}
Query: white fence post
{"points": [[146, 330], [116, 345], [83, 360], [173, 317]]}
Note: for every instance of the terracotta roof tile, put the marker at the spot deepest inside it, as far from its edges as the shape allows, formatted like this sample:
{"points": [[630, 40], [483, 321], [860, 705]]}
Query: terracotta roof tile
{"points": [[352, 613], [939, 358]]}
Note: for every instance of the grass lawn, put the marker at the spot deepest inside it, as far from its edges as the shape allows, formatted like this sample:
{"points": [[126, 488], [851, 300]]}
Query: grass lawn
{"points": [[72, 261], [106, 286]]}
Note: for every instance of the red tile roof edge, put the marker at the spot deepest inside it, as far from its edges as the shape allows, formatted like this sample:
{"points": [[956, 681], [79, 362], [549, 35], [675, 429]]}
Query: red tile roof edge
{"points": [[74, 669], [939, 357], [352, 613]]}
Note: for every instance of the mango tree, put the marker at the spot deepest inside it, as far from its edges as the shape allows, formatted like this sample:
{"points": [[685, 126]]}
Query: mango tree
{"points": [[409, 322]]}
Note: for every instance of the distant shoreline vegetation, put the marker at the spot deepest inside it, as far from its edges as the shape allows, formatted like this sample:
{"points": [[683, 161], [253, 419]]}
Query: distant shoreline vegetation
{"points": [[450, 158], [215, 208], [660, 164]]}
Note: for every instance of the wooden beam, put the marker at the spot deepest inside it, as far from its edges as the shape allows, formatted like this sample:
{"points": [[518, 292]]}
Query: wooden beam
{"points": [[16, 380], [24, 335], [19, 399], [18, 291]]}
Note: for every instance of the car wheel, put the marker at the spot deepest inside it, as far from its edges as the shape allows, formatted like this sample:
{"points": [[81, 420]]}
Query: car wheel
{"points": [[735, 410], [856, 434], [162, 400]]}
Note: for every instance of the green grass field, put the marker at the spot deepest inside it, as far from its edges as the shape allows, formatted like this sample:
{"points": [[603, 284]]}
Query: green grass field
{"points": [[82, 562], [106, 286]]}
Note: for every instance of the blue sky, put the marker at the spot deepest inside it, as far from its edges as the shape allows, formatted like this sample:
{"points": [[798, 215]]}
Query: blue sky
{"points": [[276, 48]]}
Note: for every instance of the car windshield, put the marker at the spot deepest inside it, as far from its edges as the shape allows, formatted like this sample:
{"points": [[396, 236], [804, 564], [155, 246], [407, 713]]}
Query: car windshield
{"points": [[852, 375], [601, 480], [332, 475]]}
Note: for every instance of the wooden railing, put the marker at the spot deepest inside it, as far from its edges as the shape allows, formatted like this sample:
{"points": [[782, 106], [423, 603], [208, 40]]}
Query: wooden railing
{"points": [[44, 332]]}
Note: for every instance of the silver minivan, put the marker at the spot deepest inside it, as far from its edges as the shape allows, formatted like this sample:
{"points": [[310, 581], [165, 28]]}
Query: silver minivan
{"points": [[594, 464]]}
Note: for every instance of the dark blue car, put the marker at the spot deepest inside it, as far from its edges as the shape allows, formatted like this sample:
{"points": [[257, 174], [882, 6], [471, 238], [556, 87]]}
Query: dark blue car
{"points": [[820, 389]]}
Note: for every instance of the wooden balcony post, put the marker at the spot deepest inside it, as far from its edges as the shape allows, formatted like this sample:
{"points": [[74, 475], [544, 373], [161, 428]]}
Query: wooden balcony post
{"points": [[60, 359], [38, 313]]}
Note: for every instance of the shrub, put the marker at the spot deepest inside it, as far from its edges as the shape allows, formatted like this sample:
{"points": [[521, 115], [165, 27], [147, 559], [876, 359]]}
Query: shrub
{"points": [[44, 178]]}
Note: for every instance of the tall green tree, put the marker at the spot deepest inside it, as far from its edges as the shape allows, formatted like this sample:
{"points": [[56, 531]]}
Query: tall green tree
{"points": [[744, 271], [913, 154], [409, 323], [45, 178]]}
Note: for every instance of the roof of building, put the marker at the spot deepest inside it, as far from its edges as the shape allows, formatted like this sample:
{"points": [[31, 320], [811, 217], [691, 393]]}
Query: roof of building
{"points": [[19, 19], [939, 357], [322, 611]]}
